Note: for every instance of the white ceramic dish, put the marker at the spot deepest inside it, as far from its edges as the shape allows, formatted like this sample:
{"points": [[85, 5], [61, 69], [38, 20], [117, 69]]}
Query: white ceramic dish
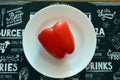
{"points": [[83, 33]]}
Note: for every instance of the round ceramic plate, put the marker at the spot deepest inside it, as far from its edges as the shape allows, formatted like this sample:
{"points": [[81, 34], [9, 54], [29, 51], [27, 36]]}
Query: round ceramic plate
{"points": [[84, 37]]}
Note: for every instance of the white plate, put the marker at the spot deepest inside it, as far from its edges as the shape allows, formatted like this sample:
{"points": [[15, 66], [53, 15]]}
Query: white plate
{"points": [[83, 33]]}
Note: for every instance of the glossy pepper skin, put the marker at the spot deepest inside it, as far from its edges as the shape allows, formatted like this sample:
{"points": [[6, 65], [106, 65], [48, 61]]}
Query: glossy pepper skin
{"points": [[57, 40]]}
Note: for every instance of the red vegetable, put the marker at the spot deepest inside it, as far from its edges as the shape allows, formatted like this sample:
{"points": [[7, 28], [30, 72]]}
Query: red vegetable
{"points": [[57, 40]]}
